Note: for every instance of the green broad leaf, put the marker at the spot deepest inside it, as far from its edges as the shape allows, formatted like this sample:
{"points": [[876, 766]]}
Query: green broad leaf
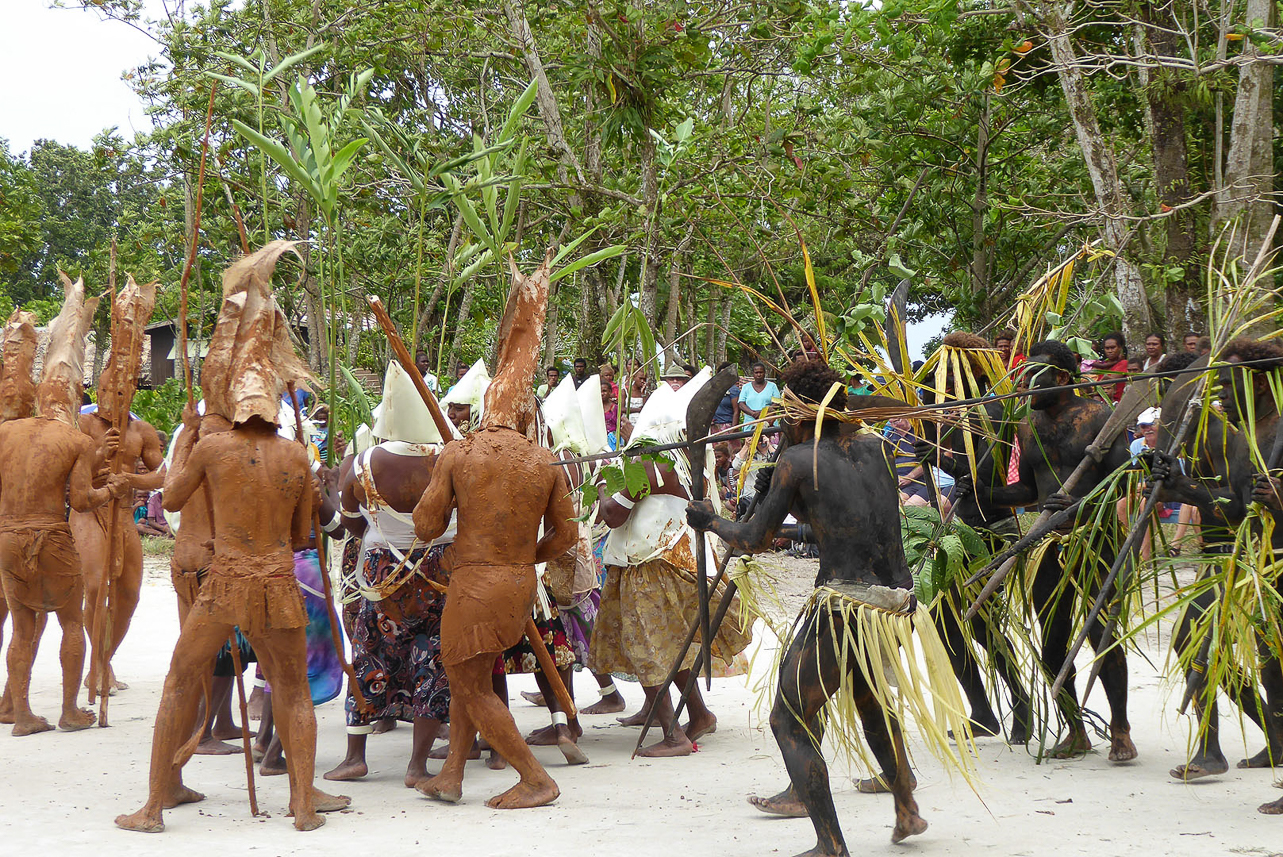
{"points": [[292, 60], [612, 326], [280, 155], [343, 159], [614, 478], [235, 81], [636, 479], [470, 217], [471, 270], [589, 260], [895, 266], [567, 249], [519, 108], [452, 164], [414, 177], [241, 61], [588, 496], [513, 198]]}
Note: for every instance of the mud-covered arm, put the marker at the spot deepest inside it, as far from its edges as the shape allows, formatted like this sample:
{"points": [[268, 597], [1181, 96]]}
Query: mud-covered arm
{"points": [[301, 522], [755, 534], [153, 457], [184, 478], [83, 495], [559, 531], [432, 512]]}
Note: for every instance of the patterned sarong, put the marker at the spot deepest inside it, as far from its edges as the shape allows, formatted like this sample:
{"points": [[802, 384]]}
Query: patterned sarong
{"points": [[398, 660]]}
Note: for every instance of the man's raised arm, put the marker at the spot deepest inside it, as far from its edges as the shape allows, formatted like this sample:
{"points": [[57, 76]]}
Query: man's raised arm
{"points": [[755, 534]]}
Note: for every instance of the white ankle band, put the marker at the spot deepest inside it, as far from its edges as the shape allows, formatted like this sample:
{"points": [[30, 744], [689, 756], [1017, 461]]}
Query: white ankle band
{"points": [[607, 690], [559, 718]]}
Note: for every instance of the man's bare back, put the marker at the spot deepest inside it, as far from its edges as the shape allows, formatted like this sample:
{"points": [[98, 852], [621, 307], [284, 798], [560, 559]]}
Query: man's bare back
{"points": [[37, 457], [492, 476], [261, 488]]}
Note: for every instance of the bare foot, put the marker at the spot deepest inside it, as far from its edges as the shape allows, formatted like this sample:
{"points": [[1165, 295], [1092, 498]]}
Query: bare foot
{"points": [[1264, 759], [495, 762], [533, 698], [414, 776], [1121, 748], [1274, 808], [610, 704], [638, 719], [906, 827], [1202, 765], [784, 804], [876, 785], [6, 706], [143, 821], [1020, 727], [545, 737], [524, 795], [77, 719], [348, 769], [981, 729], [698, 728], [441, 788], [181, 795], [678, 745], [569, 749], [230, 733], [325, 802], [1073, 747], [276, 768], [308, 821], [30, 725], [210, 747], [386, 724]]}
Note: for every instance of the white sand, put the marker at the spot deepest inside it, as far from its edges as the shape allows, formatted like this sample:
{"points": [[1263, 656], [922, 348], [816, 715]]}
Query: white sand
{"points": [[60, 792]]}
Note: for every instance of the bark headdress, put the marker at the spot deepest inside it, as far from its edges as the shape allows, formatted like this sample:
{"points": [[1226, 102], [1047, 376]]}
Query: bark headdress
{"points": [[130, 314], [251, 358], [17, 387], [510, 401], [58, 395]]}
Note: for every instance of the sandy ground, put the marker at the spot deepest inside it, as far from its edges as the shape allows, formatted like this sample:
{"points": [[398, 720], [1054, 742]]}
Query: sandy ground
{"points": [[60, 792]]}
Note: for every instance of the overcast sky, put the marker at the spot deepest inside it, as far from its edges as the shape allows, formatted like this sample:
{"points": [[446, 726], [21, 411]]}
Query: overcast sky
{"points": [[61, 71]]}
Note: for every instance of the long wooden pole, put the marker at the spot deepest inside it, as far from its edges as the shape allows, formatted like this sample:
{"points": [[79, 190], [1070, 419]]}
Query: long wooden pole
{"points": [[446, 431]]}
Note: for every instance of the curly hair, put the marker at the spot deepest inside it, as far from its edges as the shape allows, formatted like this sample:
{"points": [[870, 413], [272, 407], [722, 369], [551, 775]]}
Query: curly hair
{"points": [[1056, 353], [1269, 354], [810, 381], [963, 339], [1006, 333], [1178, 361]]}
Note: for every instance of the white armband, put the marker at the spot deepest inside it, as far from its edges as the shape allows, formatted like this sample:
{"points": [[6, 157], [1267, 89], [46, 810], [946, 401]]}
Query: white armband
{"points": [[333, 524], [622, 500]]}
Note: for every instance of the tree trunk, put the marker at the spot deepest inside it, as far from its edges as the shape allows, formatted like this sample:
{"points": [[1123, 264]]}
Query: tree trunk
{"points": [[1249, 165], [427, 312], [462, 320], [1102, 167], [1164, 92], [726, 325]]}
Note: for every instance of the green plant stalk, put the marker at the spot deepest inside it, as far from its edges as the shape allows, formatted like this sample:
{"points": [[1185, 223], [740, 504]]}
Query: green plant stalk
{"points": [[418, 280]]}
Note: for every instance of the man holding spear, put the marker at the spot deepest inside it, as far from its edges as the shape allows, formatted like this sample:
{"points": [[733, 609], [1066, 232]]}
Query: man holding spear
{"points": [[1054, 442], [111, 551]]}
